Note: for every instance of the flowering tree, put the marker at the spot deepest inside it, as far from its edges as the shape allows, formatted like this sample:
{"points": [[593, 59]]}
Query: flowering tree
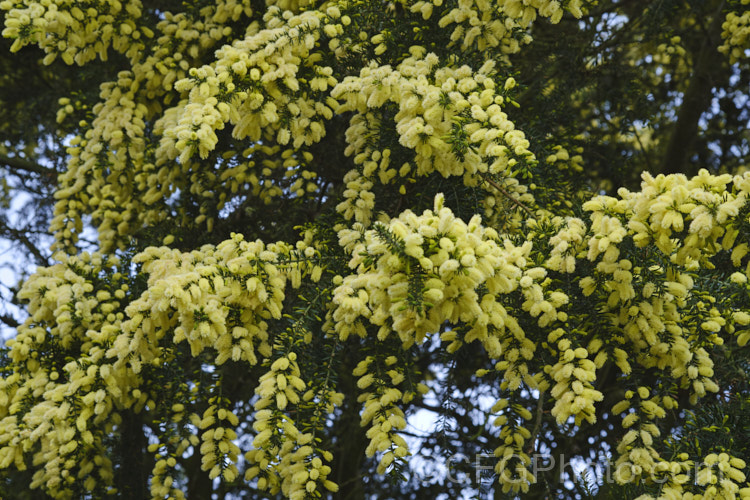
{"points": [[317, 220]]}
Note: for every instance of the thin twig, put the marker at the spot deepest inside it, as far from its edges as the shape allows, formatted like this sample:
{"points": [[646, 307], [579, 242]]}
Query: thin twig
{"points": [[16, 163], [21, 237], [538, 423], [9, 320], [509, 196]]}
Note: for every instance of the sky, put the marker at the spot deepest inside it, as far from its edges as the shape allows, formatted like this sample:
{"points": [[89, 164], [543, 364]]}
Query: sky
{"points": [[9, 257]]}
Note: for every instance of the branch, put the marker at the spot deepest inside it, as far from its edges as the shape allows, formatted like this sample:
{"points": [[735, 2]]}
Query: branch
{"points": [[21, 237], [537, 424], [9, 320], [509, 196], [16, 163]]}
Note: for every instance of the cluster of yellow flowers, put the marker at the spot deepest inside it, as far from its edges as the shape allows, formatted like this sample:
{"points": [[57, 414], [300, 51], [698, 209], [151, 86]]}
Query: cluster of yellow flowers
{"points": [[215, 297], [183, 39], [720, 473], [416, 272], [179, 432], [665, 204], [380, 411], [162, 484], [284, 458], [667, 52], [513, 460], [78, 33], [218, 449], [717, 476], [546, 309], [262, 83], [562, 158], [484, 24], [117, 135], [110, 166], [58, 410], [430, 102], [638, 458], [566, 244], [736, 33], [702, 209], [165, 458], [289, 100], [359, 200], [666, 323], [573, 375]]}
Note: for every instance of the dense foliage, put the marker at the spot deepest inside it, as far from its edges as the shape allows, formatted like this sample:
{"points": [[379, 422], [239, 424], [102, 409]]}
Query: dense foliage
{"points": [[370, 249]]}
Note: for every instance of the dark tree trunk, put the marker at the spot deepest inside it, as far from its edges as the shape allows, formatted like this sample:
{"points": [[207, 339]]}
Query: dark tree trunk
{"points": [[696, 101], [200, 487], [132, 481], [349, 451]]}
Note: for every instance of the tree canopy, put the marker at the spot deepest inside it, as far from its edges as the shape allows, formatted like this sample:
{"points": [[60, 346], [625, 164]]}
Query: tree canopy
{"points": [[377, 249]]}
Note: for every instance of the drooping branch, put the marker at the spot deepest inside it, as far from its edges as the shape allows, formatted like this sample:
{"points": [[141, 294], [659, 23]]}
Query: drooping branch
{"points": [[696, 100], [9, 320], [509, 196], [537, 423], [16, 163]]}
